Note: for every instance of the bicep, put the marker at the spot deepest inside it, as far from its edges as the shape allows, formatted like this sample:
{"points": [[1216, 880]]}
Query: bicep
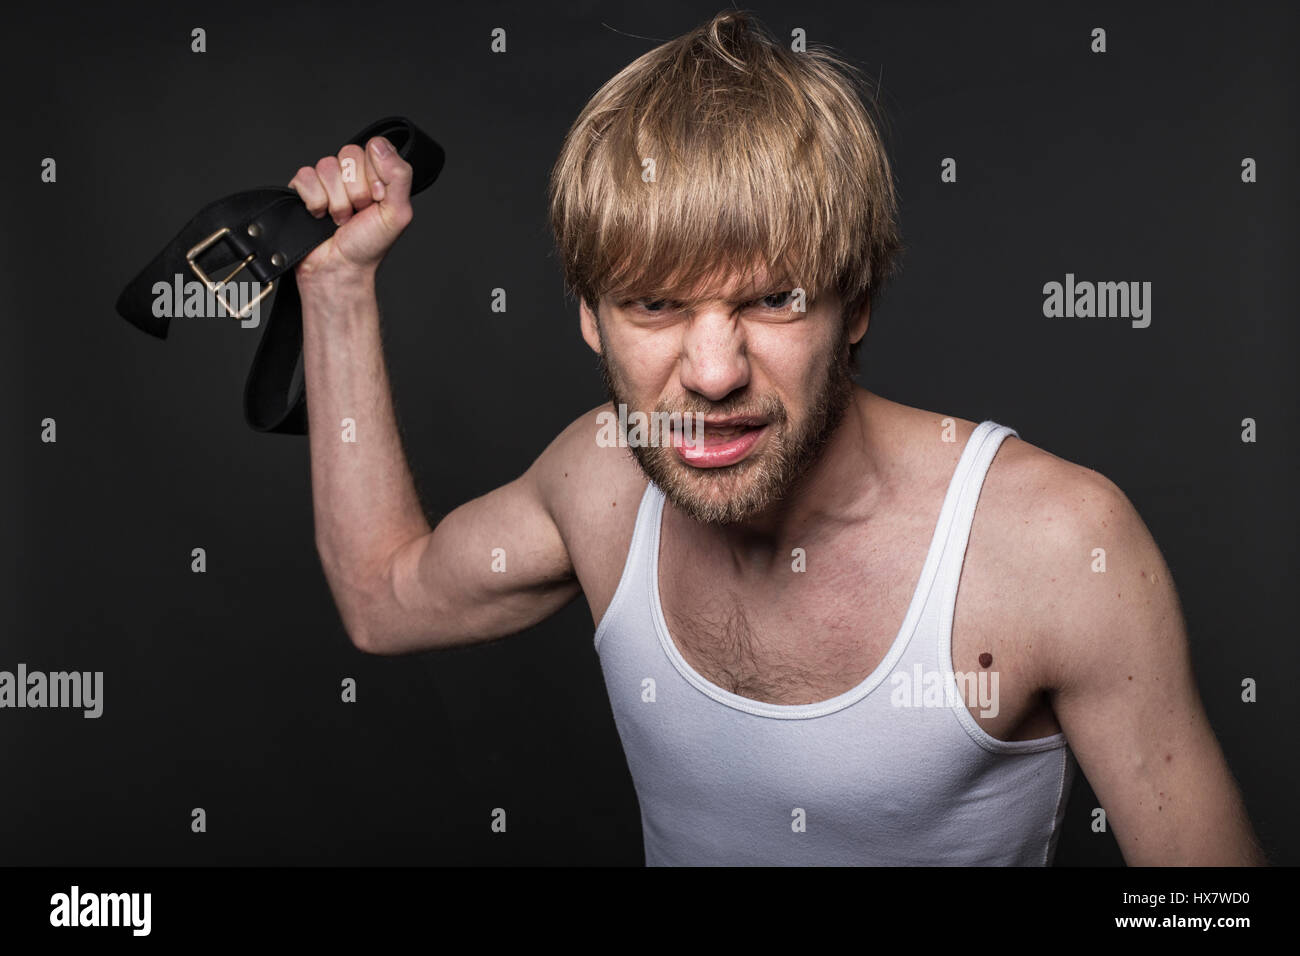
{"points": [[1124, 691], [493, 566]]}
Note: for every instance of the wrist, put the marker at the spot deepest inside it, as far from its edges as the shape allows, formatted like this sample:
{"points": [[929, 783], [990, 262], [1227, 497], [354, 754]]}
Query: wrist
{"points": [[333, 284]]}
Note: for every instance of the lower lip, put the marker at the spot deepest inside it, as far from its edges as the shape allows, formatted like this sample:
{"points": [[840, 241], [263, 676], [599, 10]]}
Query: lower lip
{"points": [[721, 454]]}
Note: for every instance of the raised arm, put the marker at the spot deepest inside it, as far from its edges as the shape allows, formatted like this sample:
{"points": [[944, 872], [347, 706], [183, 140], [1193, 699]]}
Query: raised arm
{"points": [[400, 585]]}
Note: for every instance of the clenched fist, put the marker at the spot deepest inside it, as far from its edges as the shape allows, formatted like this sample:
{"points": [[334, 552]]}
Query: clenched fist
{"points": [[368, 195]]}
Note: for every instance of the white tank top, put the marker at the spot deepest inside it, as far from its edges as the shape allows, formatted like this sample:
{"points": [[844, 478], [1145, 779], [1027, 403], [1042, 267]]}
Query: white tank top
{"points": [[859, 779]]}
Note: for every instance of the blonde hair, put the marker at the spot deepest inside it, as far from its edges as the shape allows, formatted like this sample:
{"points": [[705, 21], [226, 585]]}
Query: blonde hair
{"points": [[762, 157]]}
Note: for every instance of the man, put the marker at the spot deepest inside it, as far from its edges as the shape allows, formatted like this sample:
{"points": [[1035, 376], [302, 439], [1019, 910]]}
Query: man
{"points": [[795, 674]]}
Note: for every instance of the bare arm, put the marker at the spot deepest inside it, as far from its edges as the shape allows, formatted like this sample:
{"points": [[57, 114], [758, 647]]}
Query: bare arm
{"points": [[1125, 694], [400, 585]]}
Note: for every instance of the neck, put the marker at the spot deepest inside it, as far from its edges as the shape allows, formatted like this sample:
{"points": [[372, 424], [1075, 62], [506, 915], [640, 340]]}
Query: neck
{"points": [[844, 484]]}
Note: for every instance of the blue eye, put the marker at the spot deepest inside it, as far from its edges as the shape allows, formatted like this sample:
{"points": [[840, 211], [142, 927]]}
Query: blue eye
{"points": [[775, 302], [653, 306], [782, 297]]}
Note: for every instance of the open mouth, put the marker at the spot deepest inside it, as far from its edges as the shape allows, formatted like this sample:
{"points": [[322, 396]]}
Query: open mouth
{"points": [[720, 443]]}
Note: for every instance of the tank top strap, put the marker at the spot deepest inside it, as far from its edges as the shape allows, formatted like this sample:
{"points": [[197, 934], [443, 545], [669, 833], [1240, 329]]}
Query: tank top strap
{"points": [[641, 556], [959, 508]]}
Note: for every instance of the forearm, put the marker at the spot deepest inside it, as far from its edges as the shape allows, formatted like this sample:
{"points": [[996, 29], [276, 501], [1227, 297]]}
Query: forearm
{"points": [[364, 498]]}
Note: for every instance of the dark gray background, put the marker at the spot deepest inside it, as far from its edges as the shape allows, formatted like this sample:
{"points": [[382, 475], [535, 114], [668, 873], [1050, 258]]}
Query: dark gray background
{"points": [[222, 689]]}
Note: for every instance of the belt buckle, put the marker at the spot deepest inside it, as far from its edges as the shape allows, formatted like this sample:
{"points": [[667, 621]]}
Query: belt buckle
{"points": [[215, 287]]}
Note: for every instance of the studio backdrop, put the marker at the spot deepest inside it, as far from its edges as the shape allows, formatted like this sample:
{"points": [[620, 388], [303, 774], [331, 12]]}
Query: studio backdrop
{"points": [[154, 539]]}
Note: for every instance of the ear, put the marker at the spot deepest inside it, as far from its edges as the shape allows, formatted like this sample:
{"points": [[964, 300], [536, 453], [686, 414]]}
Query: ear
{"points": [[858, 327], [587, 320]]}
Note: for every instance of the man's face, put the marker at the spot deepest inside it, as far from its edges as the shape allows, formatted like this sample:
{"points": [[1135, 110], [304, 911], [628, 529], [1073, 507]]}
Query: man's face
{"points": [[771, 382]]}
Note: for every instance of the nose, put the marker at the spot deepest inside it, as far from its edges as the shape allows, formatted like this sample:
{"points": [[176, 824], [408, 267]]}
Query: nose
{"points": [[714, 362]]}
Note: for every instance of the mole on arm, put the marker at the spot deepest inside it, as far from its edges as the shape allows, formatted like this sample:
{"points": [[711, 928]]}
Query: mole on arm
{"points": [[986, 659]]}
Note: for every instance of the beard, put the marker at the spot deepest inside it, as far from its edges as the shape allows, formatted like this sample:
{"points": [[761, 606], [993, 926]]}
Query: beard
{"points": [[739, 492]]}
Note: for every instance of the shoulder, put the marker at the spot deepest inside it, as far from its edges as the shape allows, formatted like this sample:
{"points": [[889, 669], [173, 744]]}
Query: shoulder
{"points": [[1092, 582], [1055, 511], [1054, 498], [579, 475], [1029, 496], [592, 492]]}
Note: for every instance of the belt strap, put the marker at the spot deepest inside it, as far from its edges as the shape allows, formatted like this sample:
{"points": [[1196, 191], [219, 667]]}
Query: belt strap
{"points": [[266, 232]]}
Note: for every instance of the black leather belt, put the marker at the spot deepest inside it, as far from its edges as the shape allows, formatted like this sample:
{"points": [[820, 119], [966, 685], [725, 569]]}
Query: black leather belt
{"points": [[267, 231]]}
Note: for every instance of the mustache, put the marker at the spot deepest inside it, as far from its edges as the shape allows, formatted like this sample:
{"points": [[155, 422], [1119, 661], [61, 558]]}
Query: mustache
{"points": [[769, 407], [734, 406]]}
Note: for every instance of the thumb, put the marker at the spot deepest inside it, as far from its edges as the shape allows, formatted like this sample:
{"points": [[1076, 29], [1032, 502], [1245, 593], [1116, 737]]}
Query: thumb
{"points": [[393, 171]]}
